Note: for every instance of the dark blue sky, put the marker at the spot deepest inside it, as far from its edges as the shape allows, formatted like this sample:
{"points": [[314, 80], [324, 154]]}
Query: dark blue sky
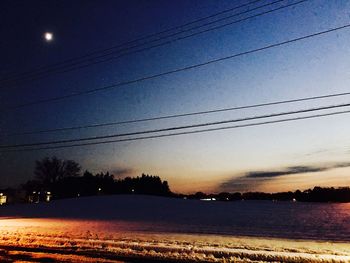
{"points": [[313, 67]]}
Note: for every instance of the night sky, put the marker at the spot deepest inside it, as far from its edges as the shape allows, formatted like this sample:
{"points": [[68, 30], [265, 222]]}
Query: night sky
{"points": [[274, 157]]}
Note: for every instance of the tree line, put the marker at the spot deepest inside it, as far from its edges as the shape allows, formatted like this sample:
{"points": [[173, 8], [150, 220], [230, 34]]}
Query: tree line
{"points": [[57, 179], [317, 194], [63, 179]]}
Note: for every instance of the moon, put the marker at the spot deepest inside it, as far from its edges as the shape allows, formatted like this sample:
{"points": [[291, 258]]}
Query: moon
{"points": [[48, 36]]}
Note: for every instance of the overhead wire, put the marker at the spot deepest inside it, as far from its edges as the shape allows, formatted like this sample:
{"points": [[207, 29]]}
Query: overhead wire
{"points": [[92, 61], [176, 127], [178, 133], [105, 124], [131, 41], [170, 72]]}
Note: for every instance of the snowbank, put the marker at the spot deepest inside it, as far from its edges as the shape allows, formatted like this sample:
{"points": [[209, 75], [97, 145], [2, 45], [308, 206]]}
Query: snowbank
{"points": [[159, 214], [110, 228]]}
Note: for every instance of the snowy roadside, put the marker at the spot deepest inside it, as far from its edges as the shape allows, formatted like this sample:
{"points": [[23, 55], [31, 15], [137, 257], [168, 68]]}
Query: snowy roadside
{"points": [[130, 235], [78, 238]]}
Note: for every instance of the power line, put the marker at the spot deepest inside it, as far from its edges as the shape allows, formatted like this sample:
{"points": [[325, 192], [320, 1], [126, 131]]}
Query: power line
{"points": [[167, 42], [180, 133], [97, 52], [76, 65], [176, 128], [179, 115], [132, 41], [120, 84]]}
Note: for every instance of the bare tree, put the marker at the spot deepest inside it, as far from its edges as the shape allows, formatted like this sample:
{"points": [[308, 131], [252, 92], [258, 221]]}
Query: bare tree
{"points": [[50, 170]]}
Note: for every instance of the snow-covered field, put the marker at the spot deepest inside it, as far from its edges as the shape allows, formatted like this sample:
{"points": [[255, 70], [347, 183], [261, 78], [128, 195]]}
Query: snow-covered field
{"points": [[131, 228]]}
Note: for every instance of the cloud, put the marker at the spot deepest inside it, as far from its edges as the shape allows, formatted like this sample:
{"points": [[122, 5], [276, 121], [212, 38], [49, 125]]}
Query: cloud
{"points": [[120, 172], [252, 179], [342, 165], [288, 171], [320, 152]]}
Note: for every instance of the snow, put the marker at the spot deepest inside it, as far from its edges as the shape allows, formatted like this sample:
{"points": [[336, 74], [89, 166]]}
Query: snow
{"points": [[127, 227], [159, 214]]}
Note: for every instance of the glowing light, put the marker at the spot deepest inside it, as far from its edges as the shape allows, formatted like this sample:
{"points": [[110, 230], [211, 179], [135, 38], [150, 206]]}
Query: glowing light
{"points": [[48, 36], [208, 199], [3, 199]]}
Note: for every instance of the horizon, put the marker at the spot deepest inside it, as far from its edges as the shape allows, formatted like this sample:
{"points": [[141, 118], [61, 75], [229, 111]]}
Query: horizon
{"points": [[116, 178], [223, 122], [270, 158]]}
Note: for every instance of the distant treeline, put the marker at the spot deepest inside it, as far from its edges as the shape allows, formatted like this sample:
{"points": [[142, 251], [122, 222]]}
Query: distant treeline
{"points": [[317, 194], [56, 179], [99, 184]]}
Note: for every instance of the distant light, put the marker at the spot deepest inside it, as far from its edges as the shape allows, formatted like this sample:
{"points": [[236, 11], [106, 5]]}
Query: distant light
{"points": [[99, 189], [48, 36], [3, 199], [208, 199], [132, 190], [294, 200]]}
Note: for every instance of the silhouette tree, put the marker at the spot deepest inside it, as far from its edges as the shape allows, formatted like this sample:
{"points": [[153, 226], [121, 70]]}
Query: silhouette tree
{"points": [[70, 169], [50, 170]]}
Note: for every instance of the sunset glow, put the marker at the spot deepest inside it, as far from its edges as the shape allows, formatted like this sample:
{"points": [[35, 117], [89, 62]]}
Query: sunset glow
{"points": [[175, 131], [316, 66]]}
